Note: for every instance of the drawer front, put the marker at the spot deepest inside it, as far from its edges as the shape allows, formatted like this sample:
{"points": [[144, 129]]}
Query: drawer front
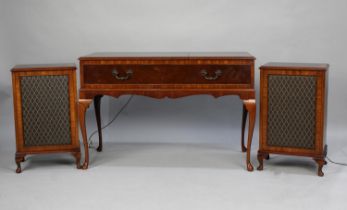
{"points": [[167, 74]]}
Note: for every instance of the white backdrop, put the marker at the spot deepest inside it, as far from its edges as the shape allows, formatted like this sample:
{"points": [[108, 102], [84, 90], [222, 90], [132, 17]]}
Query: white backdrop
{"points": [[37, 31]]}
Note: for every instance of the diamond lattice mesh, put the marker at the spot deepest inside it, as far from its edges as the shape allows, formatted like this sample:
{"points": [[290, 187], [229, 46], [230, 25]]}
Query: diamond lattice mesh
{"points": [[45, 109], [291, 111]]}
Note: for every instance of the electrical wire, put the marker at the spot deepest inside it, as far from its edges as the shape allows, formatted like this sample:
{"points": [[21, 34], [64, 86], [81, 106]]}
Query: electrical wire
{"points": [[337, 163], [90, 144]]}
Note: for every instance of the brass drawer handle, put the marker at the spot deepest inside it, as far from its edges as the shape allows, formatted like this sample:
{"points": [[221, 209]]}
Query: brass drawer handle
{"points": [[115, 73], [216, 75]]}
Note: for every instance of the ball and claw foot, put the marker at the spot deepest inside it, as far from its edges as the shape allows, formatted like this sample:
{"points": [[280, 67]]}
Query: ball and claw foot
{"points": [[320, 168], [260, 160], [85, 166], [260, 167], [78, 164], [321, 163], [77, 156], [18, 170], [249, 167], [19, 159], [99, 149]]}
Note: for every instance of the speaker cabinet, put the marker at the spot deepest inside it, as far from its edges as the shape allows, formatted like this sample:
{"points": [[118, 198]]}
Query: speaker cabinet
{"points": [[45, 110], [293, 102]]}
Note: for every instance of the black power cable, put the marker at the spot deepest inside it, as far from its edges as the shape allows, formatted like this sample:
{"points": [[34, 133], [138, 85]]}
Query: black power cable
{"points": [[337, 163], [109, 123]]}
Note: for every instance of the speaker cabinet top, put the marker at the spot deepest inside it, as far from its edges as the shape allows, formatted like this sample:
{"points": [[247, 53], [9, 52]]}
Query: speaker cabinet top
{"points": [[295, 66], [46, 67]]}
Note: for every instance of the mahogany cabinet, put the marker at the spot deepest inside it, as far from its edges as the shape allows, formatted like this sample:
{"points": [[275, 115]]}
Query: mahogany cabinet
{"points": [[45, 110], [293, 104]]}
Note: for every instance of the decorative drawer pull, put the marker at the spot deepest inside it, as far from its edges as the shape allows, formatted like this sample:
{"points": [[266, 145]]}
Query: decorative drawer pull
{"points": [[129, 73], [216, 75]]}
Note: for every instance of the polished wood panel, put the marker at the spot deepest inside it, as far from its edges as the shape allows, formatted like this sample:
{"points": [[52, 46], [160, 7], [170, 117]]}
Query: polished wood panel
{"points": [[22, 150], [167, 74], [320, 73], [172, 75]]}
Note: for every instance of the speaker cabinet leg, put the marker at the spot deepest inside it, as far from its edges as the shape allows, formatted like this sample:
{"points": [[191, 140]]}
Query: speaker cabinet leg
{"points": [[325, 154], [267, 157], [321, 163], [83, 105], [261, 161], [19, 158], [251, 108], [77, 156], [244, 117], [97, 103]]}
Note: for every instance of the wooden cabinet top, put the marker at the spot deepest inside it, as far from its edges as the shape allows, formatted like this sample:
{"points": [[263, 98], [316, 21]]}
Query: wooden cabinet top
{"points": [[39, 67], [295, 66], [168, 55]]}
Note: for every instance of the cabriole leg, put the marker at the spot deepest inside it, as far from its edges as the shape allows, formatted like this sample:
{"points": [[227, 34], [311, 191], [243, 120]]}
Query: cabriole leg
{"points": [[244, 117], [321, 163], [77, 156], [83, 105], [261, 161], [19, 158], [251, 108], [97, 103]]}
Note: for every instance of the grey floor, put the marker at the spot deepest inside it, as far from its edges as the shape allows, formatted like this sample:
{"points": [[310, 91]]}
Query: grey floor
{"points": [[177, 176]]}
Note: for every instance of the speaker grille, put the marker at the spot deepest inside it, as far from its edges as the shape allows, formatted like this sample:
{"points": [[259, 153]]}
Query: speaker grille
{"points": [[45, 110], [291, 111]]}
